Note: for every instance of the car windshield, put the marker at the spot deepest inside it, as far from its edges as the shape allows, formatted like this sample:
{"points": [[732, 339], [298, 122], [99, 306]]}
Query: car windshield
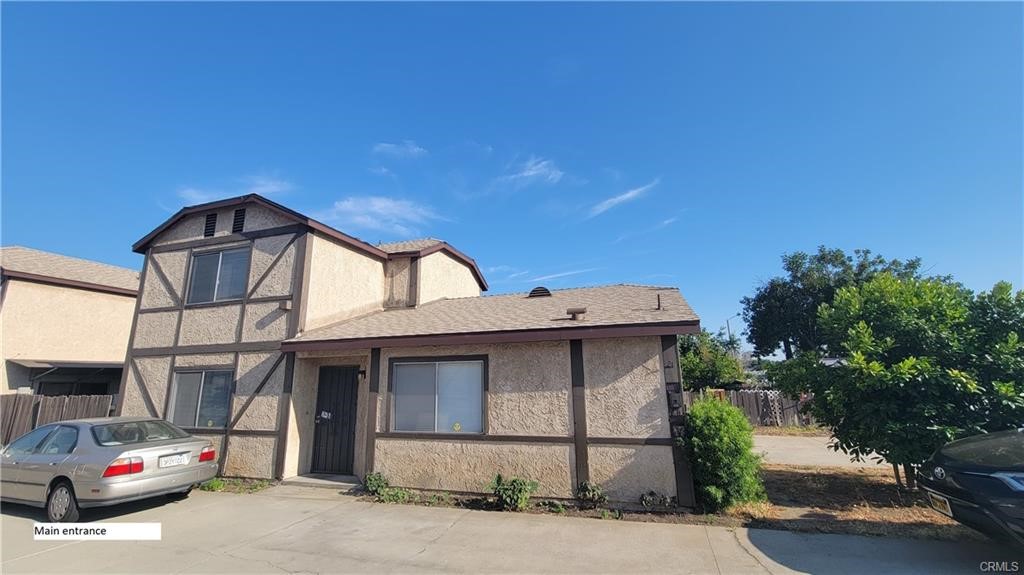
{"points": [[135, 432]]}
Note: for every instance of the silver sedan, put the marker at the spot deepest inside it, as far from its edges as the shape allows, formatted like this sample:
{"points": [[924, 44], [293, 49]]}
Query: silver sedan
{"points": [[69, 465]]}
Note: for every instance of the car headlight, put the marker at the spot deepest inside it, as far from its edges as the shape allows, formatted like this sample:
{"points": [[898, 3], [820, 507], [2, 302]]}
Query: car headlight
{"points": [[1013, 480]]}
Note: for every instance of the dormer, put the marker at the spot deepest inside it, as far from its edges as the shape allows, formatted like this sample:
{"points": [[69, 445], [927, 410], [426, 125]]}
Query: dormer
{"points": [[426, 270]]}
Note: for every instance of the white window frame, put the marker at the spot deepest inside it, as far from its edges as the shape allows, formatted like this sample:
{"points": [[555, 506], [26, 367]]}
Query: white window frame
{"points": [[482, 360], [169, 417], [216, 282]]}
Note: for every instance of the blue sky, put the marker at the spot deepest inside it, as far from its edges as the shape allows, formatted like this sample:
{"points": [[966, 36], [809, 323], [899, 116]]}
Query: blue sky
{"points": [[558, 144]]}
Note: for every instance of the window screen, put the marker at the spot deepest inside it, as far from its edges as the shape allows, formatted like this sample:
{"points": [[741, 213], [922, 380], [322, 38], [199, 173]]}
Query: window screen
{"points": [[443, 397], [219, 276], [201, 399]]}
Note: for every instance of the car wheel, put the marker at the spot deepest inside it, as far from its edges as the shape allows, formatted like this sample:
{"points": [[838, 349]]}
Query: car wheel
{"points": [[61, 505], [179, 495]]}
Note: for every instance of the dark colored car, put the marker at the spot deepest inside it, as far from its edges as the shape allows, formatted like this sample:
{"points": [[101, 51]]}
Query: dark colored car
{"points": [[979, 481]]}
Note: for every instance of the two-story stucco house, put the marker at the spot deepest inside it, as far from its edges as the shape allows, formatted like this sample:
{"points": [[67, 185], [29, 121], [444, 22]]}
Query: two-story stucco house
{"points": [[299, 349], [64, 323]]}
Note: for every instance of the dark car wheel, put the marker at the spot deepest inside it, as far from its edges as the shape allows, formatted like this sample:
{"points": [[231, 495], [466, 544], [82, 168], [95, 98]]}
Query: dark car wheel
{"points": [[61, 505]]}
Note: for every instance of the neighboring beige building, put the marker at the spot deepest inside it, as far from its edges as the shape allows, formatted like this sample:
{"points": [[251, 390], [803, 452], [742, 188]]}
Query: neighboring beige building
{"points": [[64, 321], [299, 349]]}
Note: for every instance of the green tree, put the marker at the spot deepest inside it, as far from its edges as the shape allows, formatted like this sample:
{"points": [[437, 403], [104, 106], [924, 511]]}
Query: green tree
{"points": [[783, 310], [705, 361], [906, 364]]}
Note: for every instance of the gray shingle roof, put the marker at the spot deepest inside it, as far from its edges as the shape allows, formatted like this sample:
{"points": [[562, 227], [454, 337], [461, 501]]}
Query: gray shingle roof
{"points": [[606, 306], [409, 245], [30, 261]]}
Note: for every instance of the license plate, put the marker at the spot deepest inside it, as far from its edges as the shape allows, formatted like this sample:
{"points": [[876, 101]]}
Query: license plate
{"points": [[940, 504], [173, 460]]}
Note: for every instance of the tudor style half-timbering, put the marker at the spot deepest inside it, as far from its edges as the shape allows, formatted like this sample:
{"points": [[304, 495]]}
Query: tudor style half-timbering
{"points": [[299, 349], [223, 285]]}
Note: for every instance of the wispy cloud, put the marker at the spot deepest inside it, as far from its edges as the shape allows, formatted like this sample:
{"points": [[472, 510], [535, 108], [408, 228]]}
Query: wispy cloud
{"points": [[257, 184], [403, 149], [561, 275], [534, 170], [622, 198], [658, 226], [382, 171], [380, 213], [266, 186]]}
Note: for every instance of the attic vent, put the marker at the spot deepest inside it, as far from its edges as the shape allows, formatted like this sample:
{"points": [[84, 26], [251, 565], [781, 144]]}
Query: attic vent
{"points": [[239, 222], [211, 225], [539, 291]]}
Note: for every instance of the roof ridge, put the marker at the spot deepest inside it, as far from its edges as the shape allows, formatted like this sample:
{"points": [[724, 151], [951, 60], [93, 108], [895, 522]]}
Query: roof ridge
{"points": [[81, 259], [598, 286]]}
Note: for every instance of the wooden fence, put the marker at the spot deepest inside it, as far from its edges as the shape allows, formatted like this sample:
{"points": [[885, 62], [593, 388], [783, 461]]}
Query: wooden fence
{"points": [[764, 407], [20, 413]]}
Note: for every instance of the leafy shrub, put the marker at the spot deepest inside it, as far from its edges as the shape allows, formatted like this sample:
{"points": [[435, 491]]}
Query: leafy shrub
{"points": [[443, 499], [215, 484], [616, 514], [720, 443], [393, 495], [554, 506], [513, 494], [375, 482], [654, 499], [590, 495]]}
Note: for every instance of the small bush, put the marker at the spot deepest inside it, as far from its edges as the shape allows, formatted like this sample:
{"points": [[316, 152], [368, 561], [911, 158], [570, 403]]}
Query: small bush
{"points": [[590, 495], [374, 483], [553, 506], [215, 484], [393, 495], [720, 443], [513, 494], [443, 499], [654, 499], [606, 514]]}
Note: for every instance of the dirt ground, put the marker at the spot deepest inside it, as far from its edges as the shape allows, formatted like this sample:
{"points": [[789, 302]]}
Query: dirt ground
{"points": [[856, 501]]}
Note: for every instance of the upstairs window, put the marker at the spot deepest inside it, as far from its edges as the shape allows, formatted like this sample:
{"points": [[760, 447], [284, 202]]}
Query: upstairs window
{"points": [[219, 276]]}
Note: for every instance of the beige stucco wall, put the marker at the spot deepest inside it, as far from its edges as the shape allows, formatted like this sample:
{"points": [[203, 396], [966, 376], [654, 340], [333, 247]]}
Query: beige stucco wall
{"points": [[262, 412], [209, 325], [468, 466], [626, 471], [624, 388], [191, 227], [279, 281], [249, 456], [442, 276], [530, 385], [342, 283], [45, 322], [398, 274]]}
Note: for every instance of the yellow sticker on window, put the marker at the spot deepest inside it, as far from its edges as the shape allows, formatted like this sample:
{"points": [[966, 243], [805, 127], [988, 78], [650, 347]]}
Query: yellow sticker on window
{"points": [[456, 426]]}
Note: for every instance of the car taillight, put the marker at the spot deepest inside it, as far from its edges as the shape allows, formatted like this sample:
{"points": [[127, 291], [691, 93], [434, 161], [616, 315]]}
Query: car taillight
{"points": [[207, 454], [123, 466]]}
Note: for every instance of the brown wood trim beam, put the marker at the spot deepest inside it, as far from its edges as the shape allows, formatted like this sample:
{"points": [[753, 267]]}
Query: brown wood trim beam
{"points": [[234, 433], [508, 336], [146, 398], [579, 411], [259, 388], [63, 282], [160, 275], [270, 268], [476, 437], [371, 410], [211, 348], [630, 441], [685, 495], [231, 238]]}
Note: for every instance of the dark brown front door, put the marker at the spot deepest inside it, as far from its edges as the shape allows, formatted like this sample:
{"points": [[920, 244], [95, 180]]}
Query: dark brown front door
{"points": [[334, 435]]}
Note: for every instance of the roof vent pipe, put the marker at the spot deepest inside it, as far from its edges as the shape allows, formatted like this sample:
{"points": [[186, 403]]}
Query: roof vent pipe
{"points": [[576, 312]]}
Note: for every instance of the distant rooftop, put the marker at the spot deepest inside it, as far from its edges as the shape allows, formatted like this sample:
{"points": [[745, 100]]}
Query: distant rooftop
{"points": [[47, 264]]}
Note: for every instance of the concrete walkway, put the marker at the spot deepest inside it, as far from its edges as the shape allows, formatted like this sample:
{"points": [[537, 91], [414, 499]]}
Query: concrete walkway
{"points": [[803, 450], [289, 529]]}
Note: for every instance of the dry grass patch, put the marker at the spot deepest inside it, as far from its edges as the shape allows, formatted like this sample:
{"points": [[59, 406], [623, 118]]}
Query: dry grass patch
{"points": [[793, 430]]}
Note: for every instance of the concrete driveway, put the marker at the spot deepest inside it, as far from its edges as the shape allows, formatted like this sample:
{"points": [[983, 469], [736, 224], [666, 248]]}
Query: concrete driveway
{"points": [[291, 529], [803, 450]]}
